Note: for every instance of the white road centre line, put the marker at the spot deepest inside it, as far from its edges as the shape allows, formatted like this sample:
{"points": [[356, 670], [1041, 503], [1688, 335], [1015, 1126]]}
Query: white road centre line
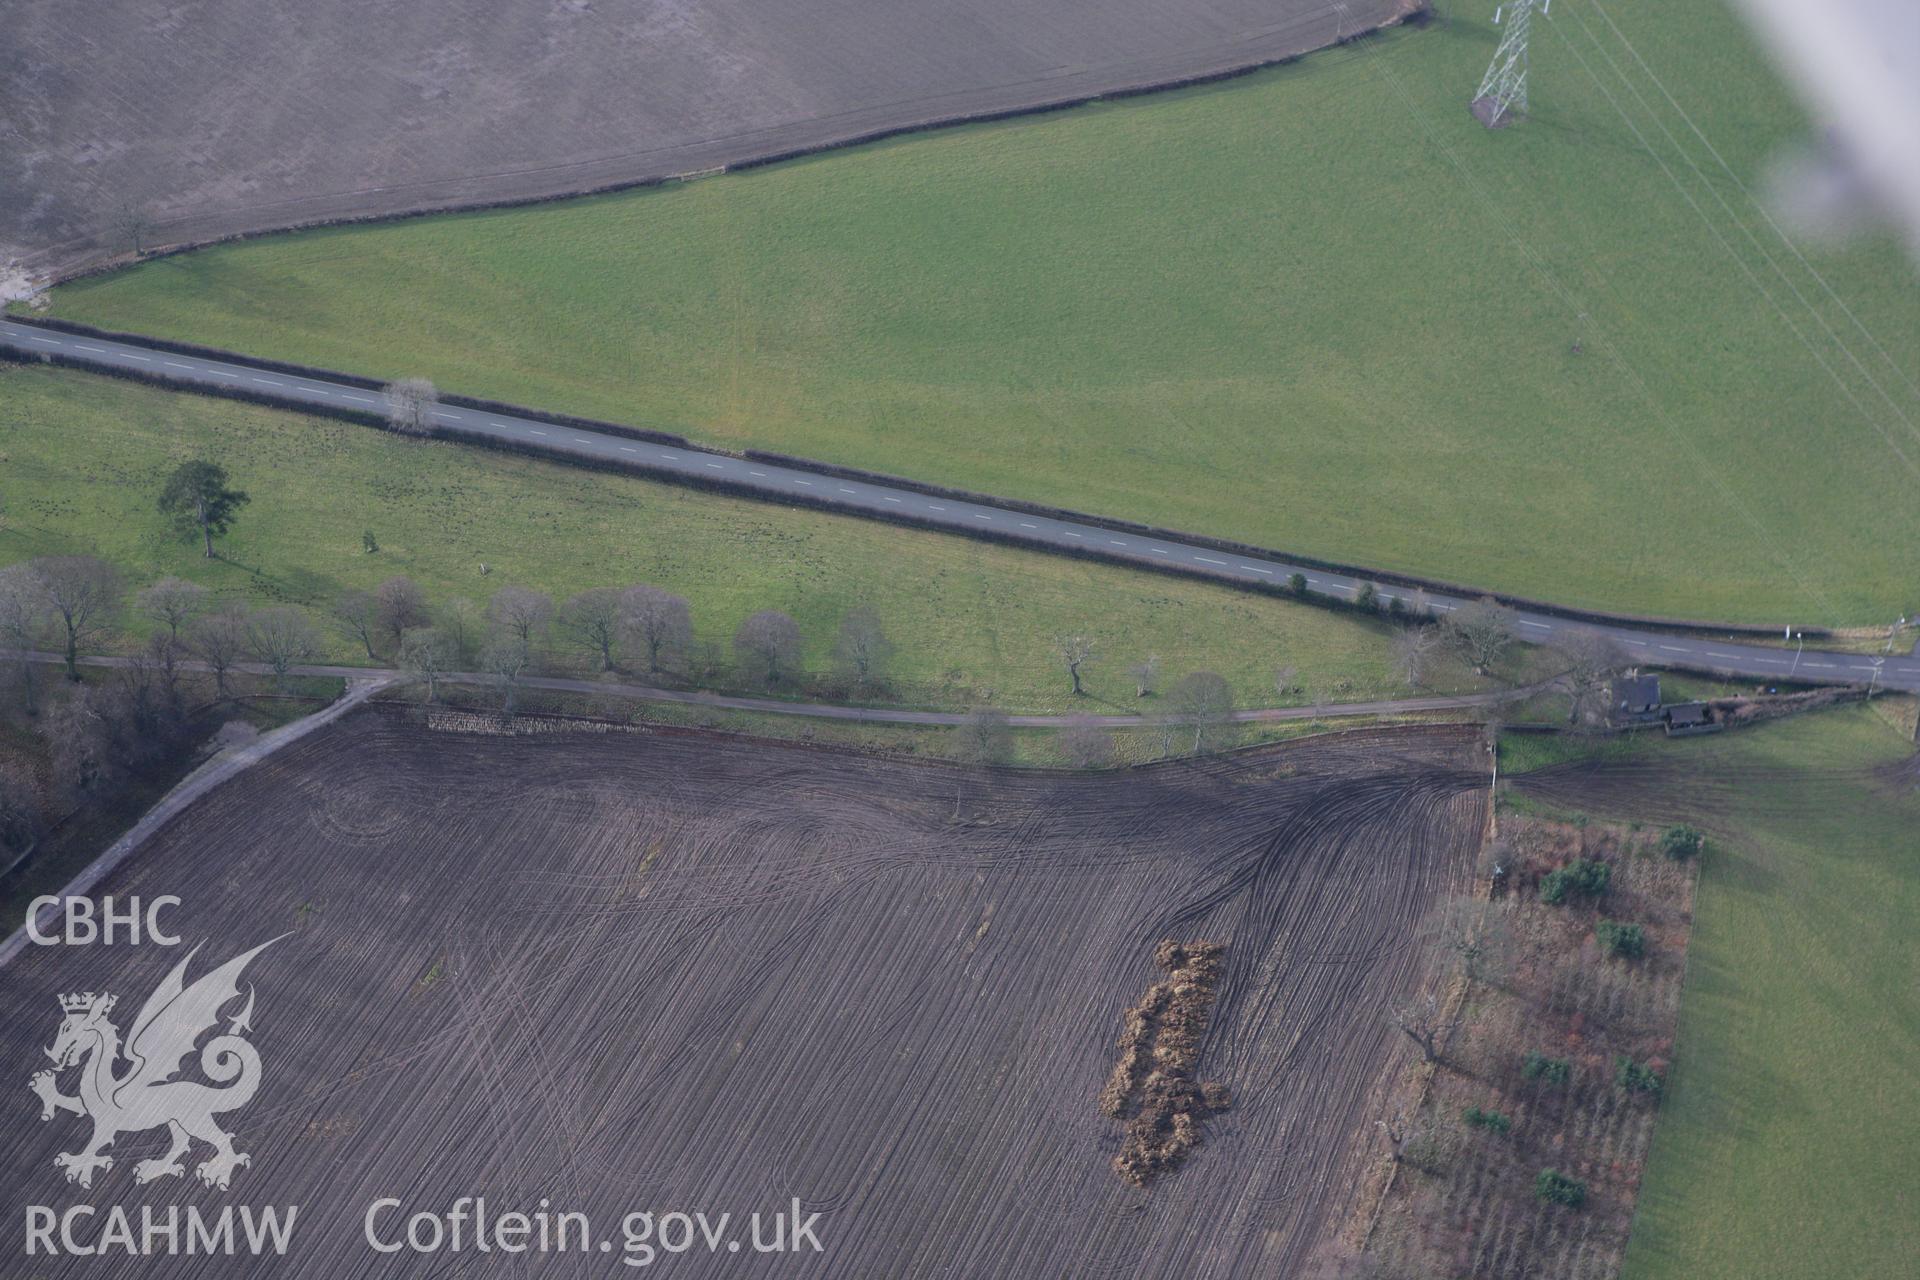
{"points": [[670, 457], [1824, 666], [1159, 551], [844, 489], [1208, 560], [981, 515], [807, 483], [96, 350], [222, 373], [1070, 533], [1025, 525], [268, 382], [1254, 568], [934, 506], [321, 391], [443, 412], [1641, 643], [1537, 626], [532, 432], [361, 399], [142, 359], [890, 499], [1672, 648], [627, 448], [1771, 662], [1730, 657], [716, 466], [53, 343], [761, 474], [175, 364]]}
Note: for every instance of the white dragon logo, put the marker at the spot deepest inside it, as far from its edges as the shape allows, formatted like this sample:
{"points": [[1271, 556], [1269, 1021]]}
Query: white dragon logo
{"points": [[146, 1095]]}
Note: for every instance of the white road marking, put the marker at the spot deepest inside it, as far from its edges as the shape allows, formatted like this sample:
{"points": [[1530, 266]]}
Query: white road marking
{"points": [[1070, 533], [844, 489], [97, 350], [221, 373], [175, 364], [532, 432], [761, 474], [1824, 666], [670, 457], [361, 399], [1025, 525], [978, 515], [1641, 643], [1772, 662], [1672, 648], [142, 359], [1116, 542], [1159, 551], [934, 506], [1209, 560], [1730, 657], [52, 343], [1538, 626], [627, 448], [443, 412], [807, 483], [321, 391], [1254, 568], [268, 382], [890, 499], [716, 466]]}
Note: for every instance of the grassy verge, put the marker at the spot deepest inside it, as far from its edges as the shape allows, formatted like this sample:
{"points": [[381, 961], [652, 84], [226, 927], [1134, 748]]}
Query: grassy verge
{"points": [[1789, 1144], [1318, 307], [85, 457]]}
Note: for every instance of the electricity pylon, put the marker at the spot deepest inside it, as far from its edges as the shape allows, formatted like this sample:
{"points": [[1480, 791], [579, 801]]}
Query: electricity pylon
{"points": [[1503, 90]]}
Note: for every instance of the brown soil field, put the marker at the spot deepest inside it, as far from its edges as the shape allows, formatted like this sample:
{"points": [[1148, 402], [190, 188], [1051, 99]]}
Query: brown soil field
{"points": [[224, 117], [661, 969]]}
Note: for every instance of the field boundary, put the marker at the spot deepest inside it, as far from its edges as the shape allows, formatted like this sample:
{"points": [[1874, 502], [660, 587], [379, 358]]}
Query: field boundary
{"points": [[1114, 524], [1415, 13]]}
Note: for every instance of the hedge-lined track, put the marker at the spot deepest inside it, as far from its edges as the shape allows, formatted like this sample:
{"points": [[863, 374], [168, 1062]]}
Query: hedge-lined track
{"points": [[664, 970]]}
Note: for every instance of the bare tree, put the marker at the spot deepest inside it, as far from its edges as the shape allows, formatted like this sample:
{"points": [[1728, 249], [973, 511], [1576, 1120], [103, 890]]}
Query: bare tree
{"points": [[1075, 651], [505, 659], [660, 621], [83, 593], [426, 654], [220, 638], [133, 224], [1146, 676], [163, 653], [22, 819], [1427, 1020], [594, 621], [862, 649], [1086, 743], [1478, 936], [1413, 651], [172, 603], [282, 638], [1591, 660], [768, 644], [411, 403], [357, 614], [460, 621], [400, 606], [79, 745], [1202, 701], [981, 741], [1484, 630], [522, 614], [23, 618]]}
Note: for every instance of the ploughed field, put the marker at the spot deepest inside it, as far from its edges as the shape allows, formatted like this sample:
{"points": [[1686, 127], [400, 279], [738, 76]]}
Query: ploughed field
{"points": [[664, 970], [225, 117]]}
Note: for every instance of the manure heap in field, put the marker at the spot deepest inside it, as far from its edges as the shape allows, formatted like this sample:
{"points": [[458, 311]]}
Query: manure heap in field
{"points": [[672, 971], [223, 118]]}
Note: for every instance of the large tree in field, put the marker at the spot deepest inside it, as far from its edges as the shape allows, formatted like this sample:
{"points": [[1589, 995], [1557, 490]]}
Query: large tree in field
{"points": [[768, 644], [1203, 702], [198, 500], [172, 604], [1484, 631], [83, 594], [862, 649], [593, 622], [659, 620]]}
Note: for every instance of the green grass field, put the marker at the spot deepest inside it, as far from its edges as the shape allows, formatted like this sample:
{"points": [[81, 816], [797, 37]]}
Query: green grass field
{"points": [[84, 458], [1789, 1145], [1318, 307]]}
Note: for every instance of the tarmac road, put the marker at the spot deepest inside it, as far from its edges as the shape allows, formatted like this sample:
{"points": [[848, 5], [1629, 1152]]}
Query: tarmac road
{"points": [[777, 483]]}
